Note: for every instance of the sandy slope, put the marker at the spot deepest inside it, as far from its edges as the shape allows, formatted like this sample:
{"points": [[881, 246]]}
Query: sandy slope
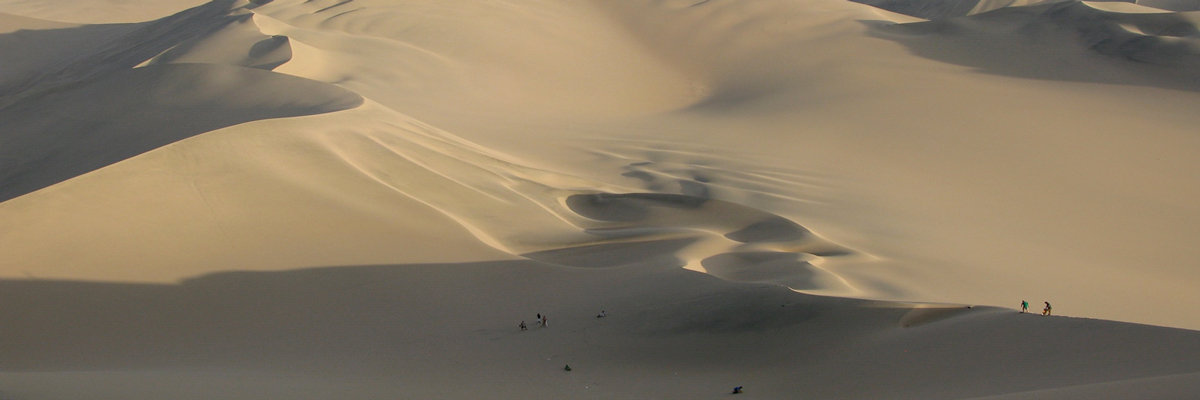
{"points": [[97, 11], [459, 166], [449, 331]]}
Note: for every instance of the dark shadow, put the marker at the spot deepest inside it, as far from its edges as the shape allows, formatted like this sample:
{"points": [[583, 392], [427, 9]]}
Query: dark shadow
{"points": [[365, 316], [68, 118], [1066, 41], [609, 255], [927, 9], [108, 48], [21, 64], [60, 135], [628, 206], [459, 320], [771, 229], [271, 52], [640, 228], [778, 268]]}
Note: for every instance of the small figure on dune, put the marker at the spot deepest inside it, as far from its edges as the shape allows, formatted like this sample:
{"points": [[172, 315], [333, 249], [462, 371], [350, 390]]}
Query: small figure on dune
{"points": [[737, 390], [1024, 306], [1046, 310], [602, 314], [523, 327], [544, 321], [567, 368]]}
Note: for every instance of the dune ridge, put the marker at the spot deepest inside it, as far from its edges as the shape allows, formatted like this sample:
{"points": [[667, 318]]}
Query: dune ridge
{"points": [[394, 142], [355, 331], [1139, 37], [96, 88], [818, 199], [299, 38]]}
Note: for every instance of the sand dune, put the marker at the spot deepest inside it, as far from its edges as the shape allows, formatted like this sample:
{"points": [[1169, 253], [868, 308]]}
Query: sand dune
{"points": [[361, 199], [98, 12], [364, 332], [1151, 38], [198, 98], [1172, 5]]}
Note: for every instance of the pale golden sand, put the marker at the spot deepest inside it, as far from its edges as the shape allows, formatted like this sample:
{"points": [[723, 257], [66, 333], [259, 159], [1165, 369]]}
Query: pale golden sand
{"points": [[361, 199]]}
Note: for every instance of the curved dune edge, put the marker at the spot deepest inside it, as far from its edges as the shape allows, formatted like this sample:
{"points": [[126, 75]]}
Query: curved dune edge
{"points": [[99, 12], [199, 70], [726, 240], [1143, 45], [679, 185], [350, 330], [323, 43], [173, 102], [540, 69], [546, 215]]}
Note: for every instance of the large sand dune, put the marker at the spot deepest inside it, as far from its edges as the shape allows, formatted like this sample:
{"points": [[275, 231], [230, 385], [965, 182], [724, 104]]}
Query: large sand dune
{"points": [[361, 199], [449, 331]]}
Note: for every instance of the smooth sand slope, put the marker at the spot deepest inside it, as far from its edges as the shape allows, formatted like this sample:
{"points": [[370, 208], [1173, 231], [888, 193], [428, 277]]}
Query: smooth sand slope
{"points": [[449, 331], [361, 199]]}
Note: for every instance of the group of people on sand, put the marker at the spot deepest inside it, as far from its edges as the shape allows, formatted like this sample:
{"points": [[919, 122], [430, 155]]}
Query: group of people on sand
{"points": [[1025, 307], [541, 320]]}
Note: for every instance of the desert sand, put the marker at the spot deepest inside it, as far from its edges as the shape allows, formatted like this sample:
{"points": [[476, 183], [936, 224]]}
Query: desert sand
{"points": [[825, 199]]}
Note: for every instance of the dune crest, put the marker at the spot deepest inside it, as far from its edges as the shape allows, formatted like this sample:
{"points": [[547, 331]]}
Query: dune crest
{"points": [[1144, 46], [191, 81], [315, 199], [99, 11], [555, 217], [543, 67], [743, 244]]}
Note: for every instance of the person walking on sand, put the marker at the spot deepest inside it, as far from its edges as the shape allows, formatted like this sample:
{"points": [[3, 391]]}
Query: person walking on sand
{"points": [[1046, 310], [1024, 306], [544, 319], [523, 327]]}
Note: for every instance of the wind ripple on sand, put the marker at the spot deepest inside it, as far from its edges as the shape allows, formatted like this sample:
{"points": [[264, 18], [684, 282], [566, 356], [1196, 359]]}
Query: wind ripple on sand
{"points": [[569, 220], [533, 212], [727, 240], [554, 217], [189, 83]]}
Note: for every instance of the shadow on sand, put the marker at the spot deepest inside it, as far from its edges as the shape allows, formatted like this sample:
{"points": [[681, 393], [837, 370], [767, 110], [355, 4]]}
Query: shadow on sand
{"points": [[1066, 41], [455, 323], [67, 112]]}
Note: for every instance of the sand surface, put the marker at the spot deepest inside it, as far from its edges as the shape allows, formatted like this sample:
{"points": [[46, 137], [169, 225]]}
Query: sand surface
{"points": [[813, 199]]}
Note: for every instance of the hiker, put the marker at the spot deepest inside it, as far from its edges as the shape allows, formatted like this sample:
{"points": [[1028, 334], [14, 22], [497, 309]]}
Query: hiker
{"points": [[567, 368], [544, 321], [1024, 306], [737, 390], [1046, 310], [602, 314], [523, 327]]}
